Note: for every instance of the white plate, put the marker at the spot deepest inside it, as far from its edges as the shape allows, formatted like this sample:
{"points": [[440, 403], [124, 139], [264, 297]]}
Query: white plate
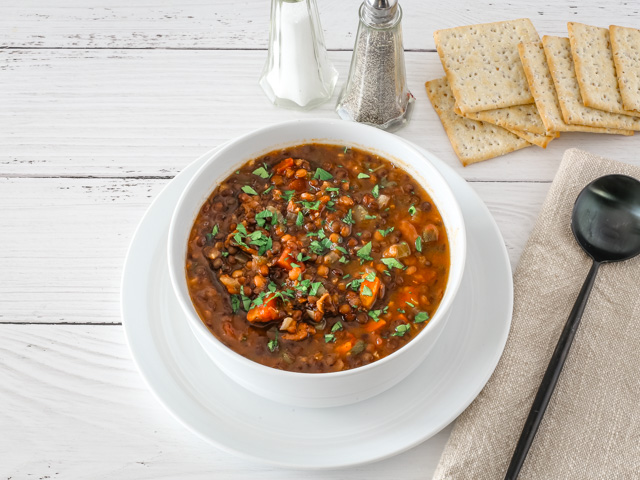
{"points": [[199, 395]]}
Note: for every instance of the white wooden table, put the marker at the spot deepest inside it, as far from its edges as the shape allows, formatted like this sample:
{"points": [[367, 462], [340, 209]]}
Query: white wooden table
{"points": [[101, 104]]}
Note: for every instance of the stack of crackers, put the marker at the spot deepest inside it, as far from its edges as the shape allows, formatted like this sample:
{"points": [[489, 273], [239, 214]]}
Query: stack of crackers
{"points": [[506, 90]]}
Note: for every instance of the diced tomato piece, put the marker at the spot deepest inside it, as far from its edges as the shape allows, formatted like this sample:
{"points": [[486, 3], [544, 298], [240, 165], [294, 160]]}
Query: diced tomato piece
{"points": [[286, 259], [265, 312], [368, 300], [408, 231], [283, 165]]}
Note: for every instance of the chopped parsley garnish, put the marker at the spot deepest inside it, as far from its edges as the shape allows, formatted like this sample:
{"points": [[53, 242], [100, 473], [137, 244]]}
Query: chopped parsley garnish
{"points": [[386, 232], [412, 210], [249, 190], [310, 205], [421, 317], [337, 326], [295, 265], [235, 303], [365, 252], [355, 283], [393, 263], [302, 258], [419, 244], [261, 218], [261, 172], [322, 174], [319, 247], [346, 149], [273, 344], [363, 175], [376, 191], [260, 240], [329, 337], [410, 304], [332, 189], [401, 330], [348, 219], [343, 260], [367, 291], [370, 217], [315, 286], [300, 219], [342, 249], [268, 190], [241, 228], [346, 276], [287, 195], [375, 314], [370, 277], [401, 310], [214, 232], [225, 254]]}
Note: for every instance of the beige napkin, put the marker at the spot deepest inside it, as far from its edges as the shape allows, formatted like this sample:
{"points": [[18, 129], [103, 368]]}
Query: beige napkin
{"points": [[591, 429]]}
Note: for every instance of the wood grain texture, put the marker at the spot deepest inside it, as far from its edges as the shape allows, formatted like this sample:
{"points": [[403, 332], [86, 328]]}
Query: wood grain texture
{"points": [[226, 24], [62, 246], [74, 406], [129, 113]]}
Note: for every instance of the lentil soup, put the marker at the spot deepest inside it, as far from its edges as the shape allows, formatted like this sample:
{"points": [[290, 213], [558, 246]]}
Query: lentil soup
{"points": [[317, 258]]}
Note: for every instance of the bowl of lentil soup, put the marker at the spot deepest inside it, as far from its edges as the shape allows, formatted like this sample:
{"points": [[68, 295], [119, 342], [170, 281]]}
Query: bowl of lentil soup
{"points": [[316, 260]]}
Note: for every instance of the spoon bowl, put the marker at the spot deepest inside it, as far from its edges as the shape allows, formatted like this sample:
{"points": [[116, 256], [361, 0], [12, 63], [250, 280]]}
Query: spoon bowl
{"points": [[606, 218]]}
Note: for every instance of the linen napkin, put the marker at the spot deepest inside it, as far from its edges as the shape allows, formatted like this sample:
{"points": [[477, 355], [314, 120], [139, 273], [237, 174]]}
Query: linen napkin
{"points": [[591, 429]]}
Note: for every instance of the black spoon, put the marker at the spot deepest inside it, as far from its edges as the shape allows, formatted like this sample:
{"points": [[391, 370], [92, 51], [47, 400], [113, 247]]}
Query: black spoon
{"points": [[606, 224]]}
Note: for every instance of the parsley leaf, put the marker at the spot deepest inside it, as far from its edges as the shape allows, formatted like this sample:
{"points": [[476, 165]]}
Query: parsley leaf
{"points": [[370, 217], [412, 210], [214, 232], [261, 172], [393, 263], [300, 219], [322, 175], [401, 330], [348, 219], [421, 317], [329, 337], [386, 232], [365, 252], [235, 303], [410, 304], [314, 288], [367, 291], [310, 205], [336, 326], [419, 244], [370, 277], [287, 194], [249, 190], [273, 344], [376, 191], [268, 190], [363, 175]]}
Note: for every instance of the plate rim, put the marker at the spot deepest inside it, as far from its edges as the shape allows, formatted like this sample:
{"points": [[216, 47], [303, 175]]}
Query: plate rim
{"points": [[446, 171]]}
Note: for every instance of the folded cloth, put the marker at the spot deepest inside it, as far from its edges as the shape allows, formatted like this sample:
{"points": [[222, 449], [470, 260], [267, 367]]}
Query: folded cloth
{"points": [[591, 429]]}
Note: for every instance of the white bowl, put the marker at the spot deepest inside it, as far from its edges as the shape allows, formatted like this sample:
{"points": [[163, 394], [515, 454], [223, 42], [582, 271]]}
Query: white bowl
{"points": [[316, 389]]}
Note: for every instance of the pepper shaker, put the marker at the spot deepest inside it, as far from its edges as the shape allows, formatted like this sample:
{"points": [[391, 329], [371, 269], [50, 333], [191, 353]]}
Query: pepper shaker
{"points": [[376, 91], [298, 73]]}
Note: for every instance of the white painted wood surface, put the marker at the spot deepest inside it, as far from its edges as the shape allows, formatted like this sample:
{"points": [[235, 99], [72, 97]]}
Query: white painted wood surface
{"points": [[101, 103]]}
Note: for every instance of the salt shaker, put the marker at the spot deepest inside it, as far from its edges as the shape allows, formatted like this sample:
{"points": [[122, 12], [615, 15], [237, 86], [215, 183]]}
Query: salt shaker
{"points": [[376, 91], [298, 73]]}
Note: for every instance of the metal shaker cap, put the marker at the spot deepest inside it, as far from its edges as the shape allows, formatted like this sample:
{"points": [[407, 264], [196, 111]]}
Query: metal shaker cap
{"points": [[380, 11]]}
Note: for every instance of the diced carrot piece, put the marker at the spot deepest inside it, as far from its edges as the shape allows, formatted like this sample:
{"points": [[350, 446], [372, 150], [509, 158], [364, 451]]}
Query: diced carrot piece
{"points": [[368, 300], [286, 259], [372, 325], [265, 312], [408, 231], [343, 347], [283, 165]]}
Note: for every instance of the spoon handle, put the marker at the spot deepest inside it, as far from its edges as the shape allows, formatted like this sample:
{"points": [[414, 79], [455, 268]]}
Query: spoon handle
{"points": [[551, 376]]}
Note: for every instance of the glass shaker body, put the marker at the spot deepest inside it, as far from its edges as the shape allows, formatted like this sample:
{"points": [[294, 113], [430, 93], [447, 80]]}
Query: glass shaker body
{"points": [[376, 91], [298, 73]]}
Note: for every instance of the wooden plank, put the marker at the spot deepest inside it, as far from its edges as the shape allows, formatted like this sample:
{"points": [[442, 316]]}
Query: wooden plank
{"points": [[151, 112], [228, 24], [74, 406], [63, 241]]}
